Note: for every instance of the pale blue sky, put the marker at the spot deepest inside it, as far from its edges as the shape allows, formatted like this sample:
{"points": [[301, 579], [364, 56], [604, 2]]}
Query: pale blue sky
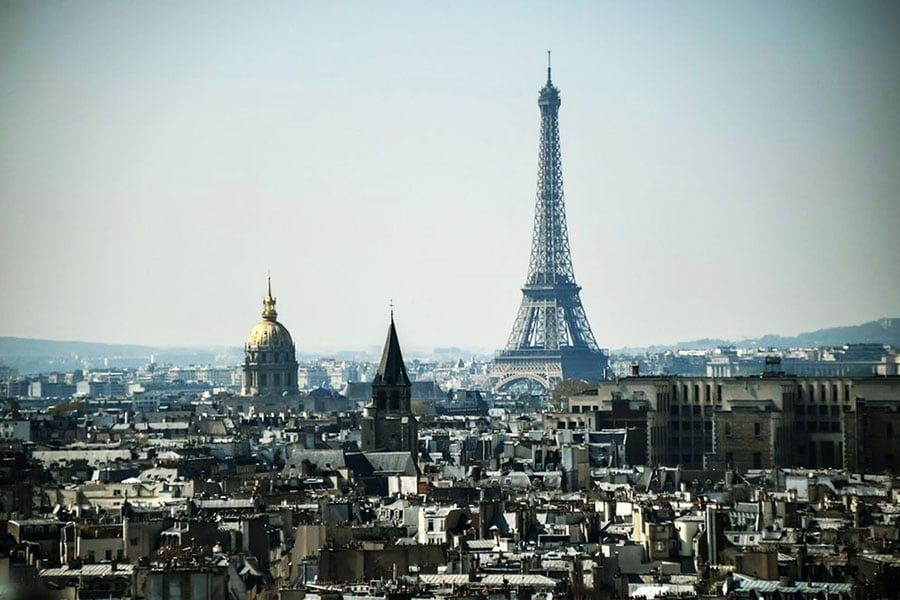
{"points": [[731, 168]]}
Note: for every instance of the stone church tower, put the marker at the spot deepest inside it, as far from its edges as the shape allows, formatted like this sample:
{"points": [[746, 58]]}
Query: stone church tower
{"points": [[388, 424], [270, 364]]}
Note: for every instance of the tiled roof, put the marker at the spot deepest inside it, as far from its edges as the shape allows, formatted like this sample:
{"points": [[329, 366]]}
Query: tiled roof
{"points": [[90, 570], [498, 580], [766, 586], [392, 462]]}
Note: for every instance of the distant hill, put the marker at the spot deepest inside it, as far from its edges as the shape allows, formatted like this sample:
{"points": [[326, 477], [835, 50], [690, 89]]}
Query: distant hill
{"points": [[882, 331], [29, 356], [30, 347], [41, 356]]}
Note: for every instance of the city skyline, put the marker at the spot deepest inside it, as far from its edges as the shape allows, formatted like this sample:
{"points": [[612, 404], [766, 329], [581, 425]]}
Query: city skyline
{"points": [[729, 171]]}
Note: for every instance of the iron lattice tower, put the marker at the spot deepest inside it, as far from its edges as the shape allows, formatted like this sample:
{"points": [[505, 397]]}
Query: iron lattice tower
{"points": [[551, 338]]}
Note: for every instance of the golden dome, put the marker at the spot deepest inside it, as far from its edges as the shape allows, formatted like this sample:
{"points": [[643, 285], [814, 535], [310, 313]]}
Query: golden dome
{"points": [[269, 333]]}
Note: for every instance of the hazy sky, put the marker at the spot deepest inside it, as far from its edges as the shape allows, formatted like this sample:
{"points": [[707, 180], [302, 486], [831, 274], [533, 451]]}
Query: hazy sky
{"points": [[731, 168]]}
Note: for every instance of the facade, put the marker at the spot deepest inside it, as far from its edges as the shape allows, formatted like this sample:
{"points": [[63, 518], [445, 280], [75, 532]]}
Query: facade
{"points": [[15, 429], [270, 364], [752, 422], [388, 423], [551, 339]]}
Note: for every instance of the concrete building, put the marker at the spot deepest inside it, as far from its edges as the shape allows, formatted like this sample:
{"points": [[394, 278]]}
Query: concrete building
{"points": [[15, 429], [754, 422]]}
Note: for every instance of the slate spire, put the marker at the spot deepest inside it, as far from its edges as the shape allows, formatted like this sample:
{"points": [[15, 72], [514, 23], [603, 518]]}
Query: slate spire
{"points": [[391, 370]]}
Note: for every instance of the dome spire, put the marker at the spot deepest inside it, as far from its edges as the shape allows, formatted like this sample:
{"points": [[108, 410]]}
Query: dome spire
{"points": [[269, 313]]}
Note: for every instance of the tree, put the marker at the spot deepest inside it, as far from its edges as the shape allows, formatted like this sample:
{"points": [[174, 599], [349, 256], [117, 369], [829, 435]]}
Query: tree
{"points": [[564, 390]]}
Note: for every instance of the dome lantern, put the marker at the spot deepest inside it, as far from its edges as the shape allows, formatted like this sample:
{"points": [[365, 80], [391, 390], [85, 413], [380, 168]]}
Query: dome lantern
{"points": [[269, 313]]}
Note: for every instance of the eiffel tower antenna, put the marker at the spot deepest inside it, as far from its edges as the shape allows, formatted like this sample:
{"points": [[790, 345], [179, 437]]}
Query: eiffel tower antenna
{"points": [[548, 66], [551, 339]]}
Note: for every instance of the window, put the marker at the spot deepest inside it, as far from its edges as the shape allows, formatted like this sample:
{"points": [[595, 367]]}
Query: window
{"points": [[727, 429], [276, 379], [757, 460], [263, 380], [108, 555], [757, 429]]}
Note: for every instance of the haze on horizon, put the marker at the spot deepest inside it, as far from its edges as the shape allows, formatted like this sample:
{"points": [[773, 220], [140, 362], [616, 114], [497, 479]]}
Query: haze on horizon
{"points": [[731, 169]]}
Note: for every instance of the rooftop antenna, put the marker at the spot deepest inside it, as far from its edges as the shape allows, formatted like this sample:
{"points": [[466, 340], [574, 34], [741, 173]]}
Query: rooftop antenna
{"points": [[392, 310]]}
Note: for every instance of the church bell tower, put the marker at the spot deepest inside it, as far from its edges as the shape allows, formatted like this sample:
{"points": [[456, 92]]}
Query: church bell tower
{"points": [[388, 424]]}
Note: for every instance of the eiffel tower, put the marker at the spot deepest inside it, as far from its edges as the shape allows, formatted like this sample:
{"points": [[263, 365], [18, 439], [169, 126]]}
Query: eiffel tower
{"points": [[551, 339]]}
